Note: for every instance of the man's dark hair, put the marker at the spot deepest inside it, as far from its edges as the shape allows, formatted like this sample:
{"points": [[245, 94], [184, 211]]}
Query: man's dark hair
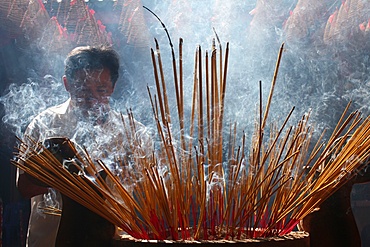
{"points": [[92, 58]]}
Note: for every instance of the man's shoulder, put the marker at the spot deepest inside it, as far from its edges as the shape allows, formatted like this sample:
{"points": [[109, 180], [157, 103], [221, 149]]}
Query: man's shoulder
{"points": [[57, 109], [46, 116], [52, 112]]}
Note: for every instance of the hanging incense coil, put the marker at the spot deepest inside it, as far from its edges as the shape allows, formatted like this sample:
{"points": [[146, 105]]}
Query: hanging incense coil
{"points": [[82, 27], [54, 37], [34, 19], [23, 17], [304, 19], [349, 23], [11, 15], [132, 23], [267, 15]]}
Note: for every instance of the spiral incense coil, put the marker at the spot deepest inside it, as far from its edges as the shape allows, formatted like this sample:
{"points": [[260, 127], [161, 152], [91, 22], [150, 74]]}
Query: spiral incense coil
{"points": [[82, 26], [11, 15], [303, 19], [34, 19], [350, 22], [132, 23], [54, 37]]}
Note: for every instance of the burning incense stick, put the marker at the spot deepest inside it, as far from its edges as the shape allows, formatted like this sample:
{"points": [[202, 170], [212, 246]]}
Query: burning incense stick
{"points": [[196, 190]]}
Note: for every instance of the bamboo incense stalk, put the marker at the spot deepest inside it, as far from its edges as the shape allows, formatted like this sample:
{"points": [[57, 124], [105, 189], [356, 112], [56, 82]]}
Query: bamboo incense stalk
{"points": [[273, 83], [163, 85], [158, 87], [197, 190]]}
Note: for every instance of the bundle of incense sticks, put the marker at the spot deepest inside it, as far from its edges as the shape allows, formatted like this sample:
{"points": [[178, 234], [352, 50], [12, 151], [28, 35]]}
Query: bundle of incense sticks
{"points": [[190, 187]]}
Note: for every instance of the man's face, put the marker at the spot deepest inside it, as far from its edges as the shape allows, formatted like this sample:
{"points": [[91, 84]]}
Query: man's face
{"points": [[91, 89]]}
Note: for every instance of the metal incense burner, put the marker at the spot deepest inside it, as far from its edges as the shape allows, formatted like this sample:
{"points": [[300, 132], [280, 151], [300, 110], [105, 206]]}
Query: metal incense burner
{"points": [[78, 226]]}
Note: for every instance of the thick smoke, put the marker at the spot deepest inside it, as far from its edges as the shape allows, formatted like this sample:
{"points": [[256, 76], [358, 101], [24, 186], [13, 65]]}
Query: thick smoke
{"points": [[325, 62], [22, 103], [317, 72]]}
